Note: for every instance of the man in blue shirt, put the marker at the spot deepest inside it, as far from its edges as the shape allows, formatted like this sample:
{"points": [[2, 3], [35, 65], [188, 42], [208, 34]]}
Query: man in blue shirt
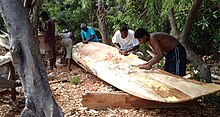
{"points": [[88, 34]]}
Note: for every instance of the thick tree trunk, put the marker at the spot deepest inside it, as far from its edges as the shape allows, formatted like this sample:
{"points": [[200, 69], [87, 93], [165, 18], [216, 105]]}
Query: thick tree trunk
{"points": [[203, 68], [102, 22], [28, 62]]}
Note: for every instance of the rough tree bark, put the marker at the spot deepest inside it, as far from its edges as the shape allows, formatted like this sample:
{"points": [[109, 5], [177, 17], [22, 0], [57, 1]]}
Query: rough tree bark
{"points": [[33, 8], [102, 22], [203, 68], [28, 62]]}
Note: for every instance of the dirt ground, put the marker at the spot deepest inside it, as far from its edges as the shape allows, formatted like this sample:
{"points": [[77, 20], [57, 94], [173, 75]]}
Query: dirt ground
{"points": [[69, 97]]}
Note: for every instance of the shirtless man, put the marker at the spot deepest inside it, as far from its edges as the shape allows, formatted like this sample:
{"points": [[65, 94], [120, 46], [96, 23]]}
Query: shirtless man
{"points": [[160, 43]]}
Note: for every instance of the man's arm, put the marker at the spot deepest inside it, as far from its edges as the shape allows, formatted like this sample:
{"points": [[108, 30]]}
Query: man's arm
{"points": [[91, 37], [117, 46], [133, 48], [158, 54], [86, 41], [92, 33], [83, 38]]}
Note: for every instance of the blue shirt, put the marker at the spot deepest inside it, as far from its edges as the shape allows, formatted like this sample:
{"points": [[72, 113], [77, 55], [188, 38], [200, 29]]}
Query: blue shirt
{"points": [[87, 34]]}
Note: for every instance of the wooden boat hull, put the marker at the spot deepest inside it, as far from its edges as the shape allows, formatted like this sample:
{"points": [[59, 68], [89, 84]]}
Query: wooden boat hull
{"points": [[105, 62]]}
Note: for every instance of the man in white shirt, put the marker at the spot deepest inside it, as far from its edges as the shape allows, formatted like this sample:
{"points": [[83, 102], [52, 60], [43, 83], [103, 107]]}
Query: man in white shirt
{"points": [[124, 41]]}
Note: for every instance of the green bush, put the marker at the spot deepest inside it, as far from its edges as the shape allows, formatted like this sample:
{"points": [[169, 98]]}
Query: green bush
{"points": [[75, 80]]}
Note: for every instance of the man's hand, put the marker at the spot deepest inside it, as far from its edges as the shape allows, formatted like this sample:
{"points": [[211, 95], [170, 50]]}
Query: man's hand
{"points": [[124, 52], [145, 66], [120, 51]]}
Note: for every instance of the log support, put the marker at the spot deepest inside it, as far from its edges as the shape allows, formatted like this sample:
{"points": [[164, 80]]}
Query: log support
{"points": [[124, 100]]}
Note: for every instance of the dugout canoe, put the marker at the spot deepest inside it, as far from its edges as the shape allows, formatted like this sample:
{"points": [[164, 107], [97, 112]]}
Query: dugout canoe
{"points": [[105, 62]]}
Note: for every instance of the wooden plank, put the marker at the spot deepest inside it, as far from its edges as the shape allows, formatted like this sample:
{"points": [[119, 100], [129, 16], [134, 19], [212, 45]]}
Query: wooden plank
{"points": [[4, 41], [5, 59], [124, 100], [105, 62], [4, 83]]}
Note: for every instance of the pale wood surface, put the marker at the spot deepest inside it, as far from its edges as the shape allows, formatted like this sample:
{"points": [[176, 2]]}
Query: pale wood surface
{"points": [[94, 100], [4, 40], [105, 62], [4, 59]]}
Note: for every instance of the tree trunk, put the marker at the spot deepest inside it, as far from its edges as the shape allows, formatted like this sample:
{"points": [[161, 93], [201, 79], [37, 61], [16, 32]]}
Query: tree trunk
{"points": [[102, 22], [35, 17], [174, 30], [28, 62], [203, 68], [33, 8]]}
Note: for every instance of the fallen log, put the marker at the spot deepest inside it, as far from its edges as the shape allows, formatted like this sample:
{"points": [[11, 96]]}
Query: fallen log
{"points": [[157, 85], [124, 100]]}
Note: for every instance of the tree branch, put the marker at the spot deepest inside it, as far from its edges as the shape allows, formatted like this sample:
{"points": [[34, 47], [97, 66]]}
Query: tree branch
{"points": [[189, 21], [203, 68], [174, 30]]}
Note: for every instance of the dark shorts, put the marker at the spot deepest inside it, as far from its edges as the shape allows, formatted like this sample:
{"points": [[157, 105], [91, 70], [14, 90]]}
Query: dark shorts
{"points": [[175, 62]]}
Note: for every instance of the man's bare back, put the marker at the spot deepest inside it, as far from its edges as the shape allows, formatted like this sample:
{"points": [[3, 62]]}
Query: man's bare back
{"points": [[165, 41], [175, 57]]}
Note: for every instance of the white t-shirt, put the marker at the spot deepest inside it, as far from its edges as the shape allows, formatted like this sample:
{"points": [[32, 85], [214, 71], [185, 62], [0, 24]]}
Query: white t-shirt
{"points": [[127, 42]]}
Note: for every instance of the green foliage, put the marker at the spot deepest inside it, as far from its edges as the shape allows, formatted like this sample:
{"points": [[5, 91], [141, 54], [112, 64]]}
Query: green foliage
{"points": [[149, 14], [125, 11], [197, 77], [143, 48], [204, 38], [2, 24], [75, 80], [195, 74], [181, 10], [206, 31], [70, 14], [161, 64]]}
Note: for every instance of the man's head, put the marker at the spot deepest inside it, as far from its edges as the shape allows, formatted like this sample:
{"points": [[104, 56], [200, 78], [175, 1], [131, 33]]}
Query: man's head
{"points": [[124, 31], [44, 15], [142, 35], [65, 31], [84, 26]]}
